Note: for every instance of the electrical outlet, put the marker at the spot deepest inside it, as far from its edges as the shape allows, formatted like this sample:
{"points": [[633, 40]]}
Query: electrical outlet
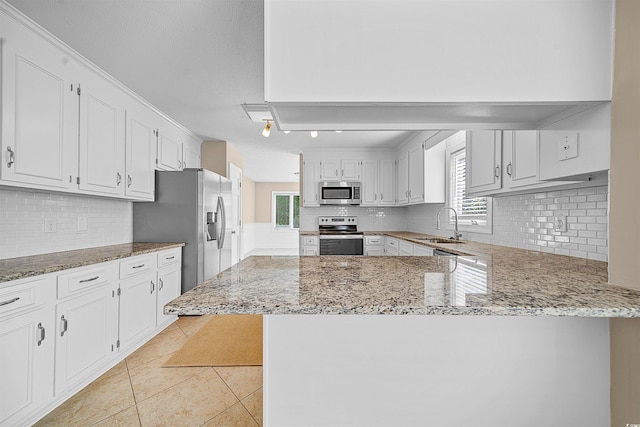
{"points": [[50, 225], [560, 223]]}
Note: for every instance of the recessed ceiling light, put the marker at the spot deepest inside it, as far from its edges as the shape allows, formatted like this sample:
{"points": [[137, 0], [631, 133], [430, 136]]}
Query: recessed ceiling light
{"points": [[286, 131], [338, 131], [314, 133]]}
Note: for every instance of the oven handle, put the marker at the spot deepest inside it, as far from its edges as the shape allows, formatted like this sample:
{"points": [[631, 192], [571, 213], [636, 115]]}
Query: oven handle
{"points": [[341, 236]]}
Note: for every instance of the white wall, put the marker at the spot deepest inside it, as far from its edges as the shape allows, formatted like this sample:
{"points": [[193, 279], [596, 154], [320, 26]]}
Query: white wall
{"points": [[22, 215], [267, 237], [438, 51]]}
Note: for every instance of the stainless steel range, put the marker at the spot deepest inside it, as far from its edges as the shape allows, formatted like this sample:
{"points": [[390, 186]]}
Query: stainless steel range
{"points": [[340, 236]]}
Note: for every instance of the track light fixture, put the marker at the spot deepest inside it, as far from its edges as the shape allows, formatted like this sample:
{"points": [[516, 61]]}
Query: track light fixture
{"points": [[267, 130]]}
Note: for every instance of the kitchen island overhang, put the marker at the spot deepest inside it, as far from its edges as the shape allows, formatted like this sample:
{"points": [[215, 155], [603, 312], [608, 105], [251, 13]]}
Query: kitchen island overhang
{"points": [[489, 340]]}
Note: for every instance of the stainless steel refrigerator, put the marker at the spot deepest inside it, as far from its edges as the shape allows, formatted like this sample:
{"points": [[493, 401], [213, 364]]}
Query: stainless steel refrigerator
{"points": [[190, 206]]}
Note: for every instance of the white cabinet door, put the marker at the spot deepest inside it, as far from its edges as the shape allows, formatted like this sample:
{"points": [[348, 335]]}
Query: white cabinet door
{"points": [[191, 156], [169, 150], [416, 174], [483, 161], [405, 248], [350, 170], [387, 182], [140, 146], [86, 335], [520, 149], [310, 182], [403, 180], [39, 111], [26, 349], [169, 288], [435, 173], [137, 308], [329, 170], [369, 183], [392, 246], [102, 137], [421, 250]]}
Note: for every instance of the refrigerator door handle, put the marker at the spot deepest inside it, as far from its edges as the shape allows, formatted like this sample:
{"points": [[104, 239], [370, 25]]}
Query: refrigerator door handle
{"points": [[222, 221]]}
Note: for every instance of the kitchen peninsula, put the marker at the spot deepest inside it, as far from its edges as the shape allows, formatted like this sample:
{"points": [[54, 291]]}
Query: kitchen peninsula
{"points": [[506, 336]]}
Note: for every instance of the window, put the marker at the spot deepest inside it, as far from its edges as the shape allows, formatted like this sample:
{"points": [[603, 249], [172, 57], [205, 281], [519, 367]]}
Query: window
{"points": [[474, 213], [286, 210]]}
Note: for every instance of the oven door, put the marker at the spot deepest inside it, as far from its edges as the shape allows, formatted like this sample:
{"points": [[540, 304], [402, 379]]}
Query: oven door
{"points": [[341, 245]]}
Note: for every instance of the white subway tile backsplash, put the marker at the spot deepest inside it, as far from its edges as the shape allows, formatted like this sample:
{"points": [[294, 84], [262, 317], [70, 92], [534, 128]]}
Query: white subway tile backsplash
{"points": [[526, 221], [23, 214]]}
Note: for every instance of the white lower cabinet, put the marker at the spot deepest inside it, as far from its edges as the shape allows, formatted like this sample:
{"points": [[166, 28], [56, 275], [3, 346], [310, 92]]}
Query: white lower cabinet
{"points": [[374, 245], [86, 335], [405, 248], [137, 308], [169, 282], [309, 245], [422, 250], [392, 246], [26, 348], [60, 331]]}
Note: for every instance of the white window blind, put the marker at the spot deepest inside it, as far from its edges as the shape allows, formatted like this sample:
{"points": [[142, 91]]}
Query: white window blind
{"points": [[470, 210]]}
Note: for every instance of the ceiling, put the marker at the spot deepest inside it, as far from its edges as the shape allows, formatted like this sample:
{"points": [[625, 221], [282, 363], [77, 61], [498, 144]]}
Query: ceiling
{"points": [[198, 61]]}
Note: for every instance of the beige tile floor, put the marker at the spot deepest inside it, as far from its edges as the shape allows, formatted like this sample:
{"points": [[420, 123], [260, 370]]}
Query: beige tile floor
{"points": [[139, 392]]}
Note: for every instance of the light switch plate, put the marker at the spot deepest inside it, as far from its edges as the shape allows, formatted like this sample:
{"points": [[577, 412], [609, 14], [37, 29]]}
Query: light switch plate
{"points": [[560, 223], [568, 146]]}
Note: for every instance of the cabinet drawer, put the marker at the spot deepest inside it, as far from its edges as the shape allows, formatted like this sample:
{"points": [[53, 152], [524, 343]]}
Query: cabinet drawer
{"points": [[25, 295], [136, 265], [373, 240], [309, 240], [85, 279], [169, 257]]}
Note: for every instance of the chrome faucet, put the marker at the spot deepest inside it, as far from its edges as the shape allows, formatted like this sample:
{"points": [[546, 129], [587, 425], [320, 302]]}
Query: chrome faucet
{"points": [[456, 233]]}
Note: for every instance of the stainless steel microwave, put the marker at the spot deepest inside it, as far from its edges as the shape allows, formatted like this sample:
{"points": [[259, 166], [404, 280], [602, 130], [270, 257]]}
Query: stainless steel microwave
{"points": [[339, 193]]}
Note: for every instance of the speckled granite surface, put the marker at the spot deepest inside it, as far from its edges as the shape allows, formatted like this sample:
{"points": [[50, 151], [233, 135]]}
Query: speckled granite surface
{"points": [[19, 268], [500, 281]]}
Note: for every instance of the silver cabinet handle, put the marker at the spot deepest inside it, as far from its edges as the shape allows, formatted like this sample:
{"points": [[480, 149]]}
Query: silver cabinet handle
{"points": [[90, 280], [118, 178], [161, 285], [129, 180], [170, 257], [138, 266], [40, 333], [12, 159], [498, 171], [153, 286], [64, 325], [381, 197], [9, 301], [509, 169]]}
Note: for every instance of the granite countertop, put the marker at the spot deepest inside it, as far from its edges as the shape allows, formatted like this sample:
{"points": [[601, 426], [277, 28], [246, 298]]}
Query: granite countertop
{"points": [[496, 281], [35, 265]]}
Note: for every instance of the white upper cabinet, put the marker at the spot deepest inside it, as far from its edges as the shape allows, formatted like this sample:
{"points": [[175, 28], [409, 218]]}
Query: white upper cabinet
{"points": [[387, 182], [140, 152], [520, 158], [191, 154], [416, 174], [483, 161], [369, 194], [102, 137], [39, 111], [169, 148], [310, 182], [340, 170], [403, 179]]}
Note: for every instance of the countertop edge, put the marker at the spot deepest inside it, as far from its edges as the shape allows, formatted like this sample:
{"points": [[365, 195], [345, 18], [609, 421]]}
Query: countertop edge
{"points": [[136, 249]]}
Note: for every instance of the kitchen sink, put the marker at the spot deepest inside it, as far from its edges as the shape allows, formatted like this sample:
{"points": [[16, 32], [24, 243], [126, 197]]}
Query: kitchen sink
{"points": [[437, 240]]}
